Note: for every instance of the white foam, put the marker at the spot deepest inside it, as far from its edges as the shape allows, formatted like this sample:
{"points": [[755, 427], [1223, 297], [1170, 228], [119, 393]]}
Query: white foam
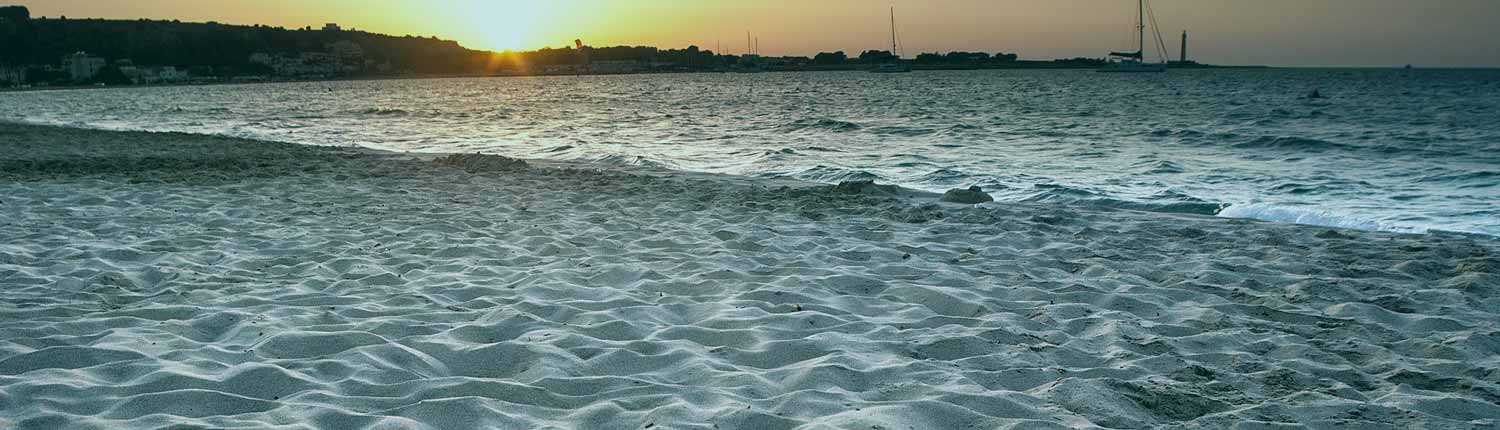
{"points": [[1313, 216]]}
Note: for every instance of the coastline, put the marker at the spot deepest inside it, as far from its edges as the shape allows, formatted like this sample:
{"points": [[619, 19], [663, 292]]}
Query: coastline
{"points": [[163, 278], [934, 68]]}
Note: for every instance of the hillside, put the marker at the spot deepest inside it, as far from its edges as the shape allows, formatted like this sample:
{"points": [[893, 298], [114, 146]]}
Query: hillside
{"points": [[44, 41]]}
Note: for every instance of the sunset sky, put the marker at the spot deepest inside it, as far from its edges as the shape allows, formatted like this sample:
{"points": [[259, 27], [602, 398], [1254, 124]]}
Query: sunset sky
{"points": [[1462, 33]]}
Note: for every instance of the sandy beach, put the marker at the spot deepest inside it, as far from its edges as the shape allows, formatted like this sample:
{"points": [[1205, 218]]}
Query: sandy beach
{"points": [[182, 281]]}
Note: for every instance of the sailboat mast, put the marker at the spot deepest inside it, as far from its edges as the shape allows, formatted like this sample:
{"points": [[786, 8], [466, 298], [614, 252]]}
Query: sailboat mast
{"points": [[1140, 28], [893, 30]]}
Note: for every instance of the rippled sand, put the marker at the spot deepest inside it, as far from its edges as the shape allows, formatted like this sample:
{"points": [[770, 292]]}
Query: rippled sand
{"points": [[160, 280]]}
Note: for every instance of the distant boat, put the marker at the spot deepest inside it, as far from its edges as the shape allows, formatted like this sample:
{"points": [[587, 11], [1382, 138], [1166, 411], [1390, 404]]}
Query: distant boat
{"points": [[895, 66], [751, 61], [752, 65], [1135, 62]]}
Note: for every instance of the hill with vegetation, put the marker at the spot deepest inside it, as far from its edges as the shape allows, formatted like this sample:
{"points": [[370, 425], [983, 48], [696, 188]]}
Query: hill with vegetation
{"points": [[217, 51], [45, 41]]}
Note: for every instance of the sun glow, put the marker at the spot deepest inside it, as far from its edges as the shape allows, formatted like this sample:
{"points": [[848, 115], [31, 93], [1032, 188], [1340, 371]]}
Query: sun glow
{"points": [[509, 24]]}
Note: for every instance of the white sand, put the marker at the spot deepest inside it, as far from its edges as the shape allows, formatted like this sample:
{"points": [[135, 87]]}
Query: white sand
{"points": [[152, 281]]}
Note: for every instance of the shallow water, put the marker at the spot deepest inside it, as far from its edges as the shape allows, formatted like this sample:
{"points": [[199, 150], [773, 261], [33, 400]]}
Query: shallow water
{"points": [[1396, 150]]}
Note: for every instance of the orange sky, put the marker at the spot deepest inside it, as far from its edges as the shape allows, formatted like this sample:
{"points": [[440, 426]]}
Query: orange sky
{"points": [[1463, 33]]}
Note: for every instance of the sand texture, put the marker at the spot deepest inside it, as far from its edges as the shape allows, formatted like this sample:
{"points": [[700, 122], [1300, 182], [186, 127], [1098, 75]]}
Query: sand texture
{"points": [[177, 281]]}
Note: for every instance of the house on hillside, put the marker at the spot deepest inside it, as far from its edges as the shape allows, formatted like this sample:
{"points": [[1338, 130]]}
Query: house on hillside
{"points": [[82, 67]]}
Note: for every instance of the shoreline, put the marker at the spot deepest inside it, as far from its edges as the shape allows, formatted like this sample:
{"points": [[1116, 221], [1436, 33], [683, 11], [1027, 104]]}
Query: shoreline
{"points": [[1271, 214], [169, 279], [940, 68], [533, 75]]}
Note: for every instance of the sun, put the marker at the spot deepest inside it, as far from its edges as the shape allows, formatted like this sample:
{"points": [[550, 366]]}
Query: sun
{"points": [[508, 24]]}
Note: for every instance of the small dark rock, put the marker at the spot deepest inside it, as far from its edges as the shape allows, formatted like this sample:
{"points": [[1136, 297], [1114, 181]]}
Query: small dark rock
{"points": [[971, 196]]}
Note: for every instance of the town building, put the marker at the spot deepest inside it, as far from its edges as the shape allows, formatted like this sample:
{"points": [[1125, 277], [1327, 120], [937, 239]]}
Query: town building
{"points": [[127, 68], [82, 67], [170, 74], [12, 75], [304, 65], [347, 52], [157, 75]]}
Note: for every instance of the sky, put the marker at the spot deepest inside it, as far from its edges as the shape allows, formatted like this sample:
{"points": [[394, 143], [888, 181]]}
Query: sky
{"points": [[1427, 33]]}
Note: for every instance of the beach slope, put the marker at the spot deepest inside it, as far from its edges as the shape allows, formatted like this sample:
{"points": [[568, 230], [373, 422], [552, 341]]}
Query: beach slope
{"points": [[182, 281]]}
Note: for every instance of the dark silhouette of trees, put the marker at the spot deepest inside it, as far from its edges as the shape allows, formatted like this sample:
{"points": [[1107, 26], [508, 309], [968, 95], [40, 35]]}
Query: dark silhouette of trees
{"points": [[874, 57], [930, 58], [1080, 62], [214, 49], [830, 58], [959, 57], [46, 41], [15, 13]]}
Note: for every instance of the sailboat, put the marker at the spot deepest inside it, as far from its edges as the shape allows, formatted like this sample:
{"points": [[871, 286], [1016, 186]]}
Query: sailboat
{"points": [[895, 66], [1135, 62], [751, 61]]}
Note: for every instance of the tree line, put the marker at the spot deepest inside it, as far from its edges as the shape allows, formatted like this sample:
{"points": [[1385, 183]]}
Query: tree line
{"points": [[226, 50]]}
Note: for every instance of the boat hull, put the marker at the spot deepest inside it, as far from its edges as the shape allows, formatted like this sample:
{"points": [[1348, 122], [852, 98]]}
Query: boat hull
{"points": [[891, 68], [1154, 68]]}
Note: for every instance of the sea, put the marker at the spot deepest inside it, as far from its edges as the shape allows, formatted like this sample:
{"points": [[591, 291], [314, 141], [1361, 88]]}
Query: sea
{"points": [[1412, 151]]}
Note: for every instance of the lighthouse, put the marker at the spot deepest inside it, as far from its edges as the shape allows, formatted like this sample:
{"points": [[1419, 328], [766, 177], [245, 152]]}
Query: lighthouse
{"points": [[1183, 57]]}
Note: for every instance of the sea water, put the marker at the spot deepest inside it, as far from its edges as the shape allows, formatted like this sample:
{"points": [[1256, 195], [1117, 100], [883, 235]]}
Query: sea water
{"points": [[1394, 150]]}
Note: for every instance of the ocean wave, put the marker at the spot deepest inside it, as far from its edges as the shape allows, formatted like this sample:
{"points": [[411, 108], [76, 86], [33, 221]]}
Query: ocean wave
{"points": [[1311, 114], [902, 131], [180, 111], [1160, 167], [632, 160], [1184, 134], [1313, 216], [819, 124], [1306, 189], [819, 149], [1165, 202], [380, 112], [942, 176], [958, 129], [1289, 144], [1053, 192], [1485, 178], [834, 175]]}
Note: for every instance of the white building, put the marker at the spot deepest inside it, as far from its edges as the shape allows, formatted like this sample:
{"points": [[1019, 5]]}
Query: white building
{"points": [[12, 75], [158, 75], [170, 74], [312, 64], [82, 67]]}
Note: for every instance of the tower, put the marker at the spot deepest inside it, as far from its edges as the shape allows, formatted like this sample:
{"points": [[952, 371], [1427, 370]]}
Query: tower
{"points": [[1183, 58]]}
